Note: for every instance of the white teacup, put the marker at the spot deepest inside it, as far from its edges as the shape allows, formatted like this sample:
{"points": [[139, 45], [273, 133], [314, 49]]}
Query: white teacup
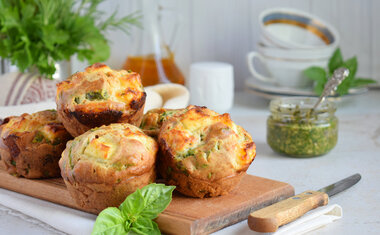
{"points": [[293, 54], [284, 72]]}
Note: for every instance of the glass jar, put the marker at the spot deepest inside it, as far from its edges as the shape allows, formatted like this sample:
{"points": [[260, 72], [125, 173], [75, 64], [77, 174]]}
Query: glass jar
{"points": [[294, 129], [154, 59]]}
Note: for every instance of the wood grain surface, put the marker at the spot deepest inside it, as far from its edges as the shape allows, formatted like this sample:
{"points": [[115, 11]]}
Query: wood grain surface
{"points": [[184, 215], [268, 219]]}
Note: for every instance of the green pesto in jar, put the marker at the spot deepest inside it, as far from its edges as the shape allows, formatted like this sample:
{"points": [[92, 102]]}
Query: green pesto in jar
{"points": [[294, 129]]}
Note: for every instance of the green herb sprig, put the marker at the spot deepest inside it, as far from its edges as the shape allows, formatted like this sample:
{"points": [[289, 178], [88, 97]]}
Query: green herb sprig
{"points": [[39, 33], [136, 213], [321, 75]]}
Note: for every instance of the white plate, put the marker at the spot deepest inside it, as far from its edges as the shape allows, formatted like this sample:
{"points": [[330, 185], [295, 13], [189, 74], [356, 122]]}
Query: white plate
{"points": [[270, 90]]}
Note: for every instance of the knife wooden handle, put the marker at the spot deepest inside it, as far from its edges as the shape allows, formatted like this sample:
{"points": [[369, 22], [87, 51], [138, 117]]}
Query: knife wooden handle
{"points": [[268, 219]]}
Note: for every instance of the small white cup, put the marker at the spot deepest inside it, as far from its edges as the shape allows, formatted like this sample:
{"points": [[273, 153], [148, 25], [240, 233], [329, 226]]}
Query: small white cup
{"points": [[283, 71], [211, 84]]}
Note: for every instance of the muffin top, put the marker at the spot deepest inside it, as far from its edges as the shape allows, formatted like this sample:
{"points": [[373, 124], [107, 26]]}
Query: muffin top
{"points": [[205, 144], [99, 88], [154, 118], [116, 147], [44, 124]]}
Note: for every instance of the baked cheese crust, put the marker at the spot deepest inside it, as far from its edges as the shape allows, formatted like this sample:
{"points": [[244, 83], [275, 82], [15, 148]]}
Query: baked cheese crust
{"points": [[203, 146], [31, 144], [103, 165], [100, 96], [154, 118]]}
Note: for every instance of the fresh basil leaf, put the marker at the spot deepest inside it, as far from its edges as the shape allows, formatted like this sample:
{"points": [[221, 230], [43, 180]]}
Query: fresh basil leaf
{"points": [[135, 214], [320, 76], [157, 198], [145, 226], [336, 60], [316, 74], [351, 64], [133, 205], [109, 221], [148, 202], [319, 87], [362, 82], [344, 87]]}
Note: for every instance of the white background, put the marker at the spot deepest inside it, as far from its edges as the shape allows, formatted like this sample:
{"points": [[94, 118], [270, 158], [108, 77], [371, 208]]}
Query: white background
{"points": [[225, 30]]}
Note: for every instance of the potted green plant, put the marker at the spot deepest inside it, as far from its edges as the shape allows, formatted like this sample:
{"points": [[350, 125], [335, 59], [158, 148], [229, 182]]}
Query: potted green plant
{"points": [[36, 34], [40, 36]]}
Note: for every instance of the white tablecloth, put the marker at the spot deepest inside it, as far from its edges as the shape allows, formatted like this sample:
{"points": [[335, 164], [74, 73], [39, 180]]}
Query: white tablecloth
{"points": [[357, 151]]}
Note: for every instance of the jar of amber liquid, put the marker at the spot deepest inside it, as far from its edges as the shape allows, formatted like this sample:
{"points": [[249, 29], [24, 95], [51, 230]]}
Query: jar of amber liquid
{"points": [[153, 58], [295, 129], [154, 70]]}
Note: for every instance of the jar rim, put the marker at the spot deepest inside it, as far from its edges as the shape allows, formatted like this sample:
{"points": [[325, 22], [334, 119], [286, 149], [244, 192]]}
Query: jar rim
{"points": [[288, 105]]}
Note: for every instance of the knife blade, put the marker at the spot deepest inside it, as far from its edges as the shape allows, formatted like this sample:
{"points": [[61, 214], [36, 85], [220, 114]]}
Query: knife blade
{"points": [[268, 219], [341, 185]]}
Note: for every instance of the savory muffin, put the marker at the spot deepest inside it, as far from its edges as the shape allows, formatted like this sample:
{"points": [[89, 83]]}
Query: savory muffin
{"points": [[154, 118], [103, 165], [31, 144], [203, 153], [100, 96]]}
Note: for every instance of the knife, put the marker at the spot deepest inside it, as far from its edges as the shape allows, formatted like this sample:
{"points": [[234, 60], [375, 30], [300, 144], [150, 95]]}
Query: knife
{"points": [[268, 219]]}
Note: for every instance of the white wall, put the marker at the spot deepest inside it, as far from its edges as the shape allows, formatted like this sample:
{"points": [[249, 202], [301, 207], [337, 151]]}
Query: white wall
{"points": [[225, 30]]}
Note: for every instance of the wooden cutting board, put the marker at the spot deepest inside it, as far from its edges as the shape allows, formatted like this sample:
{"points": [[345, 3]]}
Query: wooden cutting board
{"points": [[184, 215]]}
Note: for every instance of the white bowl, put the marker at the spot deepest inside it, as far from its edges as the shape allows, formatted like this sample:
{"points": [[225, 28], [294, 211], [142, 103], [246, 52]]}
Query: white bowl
{"points": [[295, 54], [295, 29], [282, 72]]}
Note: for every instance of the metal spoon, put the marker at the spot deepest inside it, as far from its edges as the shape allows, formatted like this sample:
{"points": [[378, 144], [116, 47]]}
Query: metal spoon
{"points": [[337, 78]]}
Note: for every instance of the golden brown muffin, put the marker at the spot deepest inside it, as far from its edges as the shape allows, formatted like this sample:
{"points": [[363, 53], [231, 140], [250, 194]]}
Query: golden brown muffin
{"points": [[204, 154], [31, 144], [102, 166], [100, 96], [154, 118]]}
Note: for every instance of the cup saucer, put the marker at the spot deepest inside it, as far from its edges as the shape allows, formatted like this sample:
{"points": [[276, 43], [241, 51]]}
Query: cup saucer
{"points": [[271, 91]]}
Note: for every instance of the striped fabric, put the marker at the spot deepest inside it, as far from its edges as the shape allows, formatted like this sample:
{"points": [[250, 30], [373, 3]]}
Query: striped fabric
{"points": [[25, 88]]}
